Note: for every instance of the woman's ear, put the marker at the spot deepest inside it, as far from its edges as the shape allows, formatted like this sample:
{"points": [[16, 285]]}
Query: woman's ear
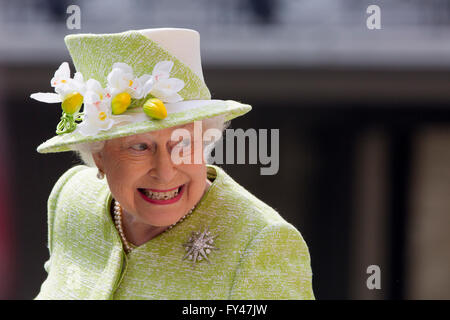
{"points": [[98, 159]]}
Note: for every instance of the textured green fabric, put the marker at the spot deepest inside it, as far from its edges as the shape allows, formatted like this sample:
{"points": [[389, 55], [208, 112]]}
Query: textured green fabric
{"points": [[94, 55], [261, 255]]}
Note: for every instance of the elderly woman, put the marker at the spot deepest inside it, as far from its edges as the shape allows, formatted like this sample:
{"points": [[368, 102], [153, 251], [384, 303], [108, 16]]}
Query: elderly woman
{"points": [[147, 218]]}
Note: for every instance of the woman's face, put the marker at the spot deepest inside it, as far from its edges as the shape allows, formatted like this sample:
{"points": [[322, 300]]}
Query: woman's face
{"points": [[147, 183]]}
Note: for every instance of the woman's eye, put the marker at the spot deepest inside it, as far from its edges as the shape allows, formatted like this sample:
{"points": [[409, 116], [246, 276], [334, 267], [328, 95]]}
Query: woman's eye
{"points": [[139, 147]]}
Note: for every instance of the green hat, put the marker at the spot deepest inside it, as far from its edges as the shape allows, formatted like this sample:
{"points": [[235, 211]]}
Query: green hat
{"points": [[130, 83]]}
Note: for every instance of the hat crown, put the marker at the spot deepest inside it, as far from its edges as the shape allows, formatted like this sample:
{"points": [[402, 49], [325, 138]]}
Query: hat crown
{"points": [[182, 43], [95, 54]]}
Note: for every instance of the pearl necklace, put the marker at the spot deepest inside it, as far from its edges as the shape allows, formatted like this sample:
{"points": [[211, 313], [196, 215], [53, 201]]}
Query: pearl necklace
{"points": [[118, 222]]}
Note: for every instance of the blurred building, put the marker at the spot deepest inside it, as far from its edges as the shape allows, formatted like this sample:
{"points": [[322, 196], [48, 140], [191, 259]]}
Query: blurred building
{"points": [[364, 119]]}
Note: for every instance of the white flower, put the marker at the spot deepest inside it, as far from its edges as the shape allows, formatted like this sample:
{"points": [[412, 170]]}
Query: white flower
{"points": [[161, 86], [76, 84], [95, 92], [63, 85], [98, 115], [166, 90], [103, 107], [121, 79], [61, 76]]}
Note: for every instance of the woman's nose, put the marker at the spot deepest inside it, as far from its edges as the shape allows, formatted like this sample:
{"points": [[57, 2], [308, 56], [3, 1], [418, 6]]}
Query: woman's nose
{"points": [[163, 169]]}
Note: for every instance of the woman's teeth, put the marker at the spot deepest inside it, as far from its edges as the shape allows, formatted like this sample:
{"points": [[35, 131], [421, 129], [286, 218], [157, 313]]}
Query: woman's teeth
{"points": [[161, 195]]}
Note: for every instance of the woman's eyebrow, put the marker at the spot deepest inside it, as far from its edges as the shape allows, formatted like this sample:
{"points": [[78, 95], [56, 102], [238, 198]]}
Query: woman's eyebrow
{"points": [[139, 139]]}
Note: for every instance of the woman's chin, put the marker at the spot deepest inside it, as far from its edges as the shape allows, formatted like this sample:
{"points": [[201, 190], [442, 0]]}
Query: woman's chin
{"points": [[159, 218]]}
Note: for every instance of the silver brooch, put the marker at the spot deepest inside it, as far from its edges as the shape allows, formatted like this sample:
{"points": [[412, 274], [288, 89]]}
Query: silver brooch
{"points": [[199, 246]]}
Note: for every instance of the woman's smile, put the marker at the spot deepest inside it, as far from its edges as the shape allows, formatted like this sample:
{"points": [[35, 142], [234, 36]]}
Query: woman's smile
{"points": [[157, 196]]}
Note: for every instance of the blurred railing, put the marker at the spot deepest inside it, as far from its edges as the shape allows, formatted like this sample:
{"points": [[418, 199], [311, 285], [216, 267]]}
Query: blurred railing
{"points": [[274, 32]]}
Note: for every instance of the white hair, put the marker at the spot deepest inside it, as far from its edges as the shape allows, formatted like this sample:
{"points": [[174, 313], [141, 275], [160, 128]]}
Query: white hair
{"points": [[85, 151]]}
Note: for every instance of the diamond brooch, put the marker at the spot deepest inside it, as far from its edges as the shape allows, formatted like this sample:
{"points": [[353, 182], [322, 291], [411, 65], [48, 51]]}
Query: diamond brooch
{"points": [[199, 246]]}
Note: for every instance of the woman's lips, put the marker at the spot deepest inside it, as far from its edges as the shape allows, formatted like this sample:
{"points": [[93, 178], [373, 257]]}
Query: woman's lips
{"points": [[162, 201], [157, 190]]}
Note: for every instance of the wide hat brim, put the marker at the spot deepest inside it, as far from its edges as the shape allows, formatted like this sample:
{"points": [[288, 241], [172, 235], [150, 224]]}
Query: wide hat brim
{"points": [[208, 109]]}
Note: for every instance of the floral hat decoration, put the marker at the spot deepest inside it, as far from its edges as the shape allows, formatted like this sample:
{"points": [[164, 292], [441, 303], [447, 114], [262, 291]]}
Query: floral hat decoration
{"points": [[129, 83]]}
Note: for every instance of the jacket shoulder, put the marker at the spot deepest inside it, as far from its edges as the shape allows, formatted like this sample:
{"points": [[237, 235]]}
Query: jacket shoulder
{"points": [[274, 261], [64, 184], [82, 238], [275, 265]]}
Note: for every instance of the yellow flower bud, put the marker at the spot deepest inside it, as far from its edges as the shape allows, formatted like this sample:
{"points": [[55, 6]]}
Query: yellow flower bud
{"points": [[155, 108], [72, 103], [120, 103]]}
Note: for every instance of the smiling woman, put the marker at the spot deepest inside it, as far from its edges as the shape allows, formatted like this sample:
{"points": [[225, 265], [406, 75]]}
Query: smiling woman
{"points": [[156, 228], [153, 192]]}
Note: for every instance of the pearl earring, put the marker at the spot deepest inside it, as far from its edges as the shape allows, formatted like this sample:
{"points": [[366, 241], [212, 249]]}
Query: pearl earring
{"points": [[100, 174]]}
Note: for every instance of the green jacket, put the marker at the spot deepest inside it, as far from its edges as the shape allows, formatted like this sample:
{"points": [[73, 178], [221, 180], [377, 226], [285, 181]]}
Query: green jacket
{"points": [[260, 256]]}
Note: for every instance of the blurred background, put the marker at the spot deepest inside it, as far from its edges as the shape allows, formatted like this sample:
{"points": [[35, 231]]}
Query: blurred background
{"points": [[364, 119]]}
